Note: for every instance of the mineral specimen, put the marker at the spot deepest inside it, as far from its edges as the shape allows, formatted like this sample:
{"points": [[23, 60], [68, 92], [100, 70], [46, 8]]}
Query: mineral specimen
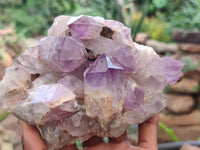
{"points": [[86, 78]]}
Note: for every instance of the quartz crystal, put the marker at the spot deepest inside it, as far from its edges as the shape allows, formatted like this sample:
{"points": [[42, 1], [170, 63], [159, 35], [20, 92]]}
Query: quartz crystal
{"points": [[86, 78]]}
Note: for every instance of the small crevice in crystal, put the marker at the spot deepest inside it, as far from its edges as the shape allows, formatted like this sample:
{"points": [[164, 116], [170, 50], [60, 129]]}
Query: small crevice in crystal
{"points": [[34, 76], [107, 32], [68, 33], [180, 79], [91, 55], [13, 91]]}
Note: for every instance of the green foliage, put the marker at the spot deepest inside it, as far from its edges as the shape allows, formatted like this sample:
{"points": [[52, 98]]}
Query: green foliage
{"points": [[197, 89], [198, 107], [166, 90], [34, 17], [187, 16], [170, 15], [166, 7], [11, 43], [10, 2], [179, 13], [189, 65], [168, 54], [159, 3], [132, 129], [157, 29], [169, 131], [2, 54], [79, 145], [32, 24], [144, 13], [106, 139], [110, 9]]}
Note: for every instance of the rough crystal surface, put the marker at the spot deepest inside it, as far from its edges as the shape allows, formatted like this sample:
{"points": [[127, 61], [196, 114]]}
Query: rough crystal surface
{"points": [[86, 78], [62, 54]]}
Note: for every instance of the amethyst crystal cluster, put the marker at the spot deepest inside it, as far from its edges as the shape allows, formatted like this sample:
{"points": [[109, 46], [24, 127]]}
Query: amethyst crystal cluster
{"points": [[86, 78]]}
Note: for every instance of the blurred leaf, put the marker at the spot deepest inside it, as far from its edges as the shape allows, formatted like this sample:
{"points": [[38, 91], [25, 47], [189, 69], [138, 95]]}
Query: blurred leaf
{"points": [[34, 17], [187, 16], [197, 88], [132, 129], [157, 29], [189, 65], [166, 89], [2, 54], [169, 131], [144, 13], [160, 3], [79, 145], [106, 139], [168, 54], [3, 115]]}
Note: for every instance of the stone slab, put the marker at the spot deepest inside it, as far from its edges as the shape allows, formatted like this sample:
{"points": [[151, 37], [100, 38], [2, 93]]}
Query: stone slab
{"points": [[186, 36], [180, 103], [184, 86], [192, 118], [161, 47], [189, 47]]}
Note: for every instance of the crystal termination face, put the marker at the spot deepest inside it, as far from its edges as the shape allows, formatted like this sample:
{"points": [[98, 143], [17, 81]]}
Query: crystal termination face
{"points": [[86, 78]]}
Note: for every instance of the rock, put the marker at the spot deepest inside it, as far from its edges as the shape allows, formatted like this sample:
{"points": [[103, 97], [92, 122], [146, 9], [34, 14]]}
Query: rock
{"points": [[184, 86], [6, 146], [6, 137], [1, 129], [182, 36], [189, 47], [179, 103], [6, 31], [161, 47], [10, 136], [195, 75], [10, 131], [30, 41], [195, 57], [118, 82], [184, 133], [18, 147], [10, 123], [189, 147], [141, 38], [181, 120]]}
